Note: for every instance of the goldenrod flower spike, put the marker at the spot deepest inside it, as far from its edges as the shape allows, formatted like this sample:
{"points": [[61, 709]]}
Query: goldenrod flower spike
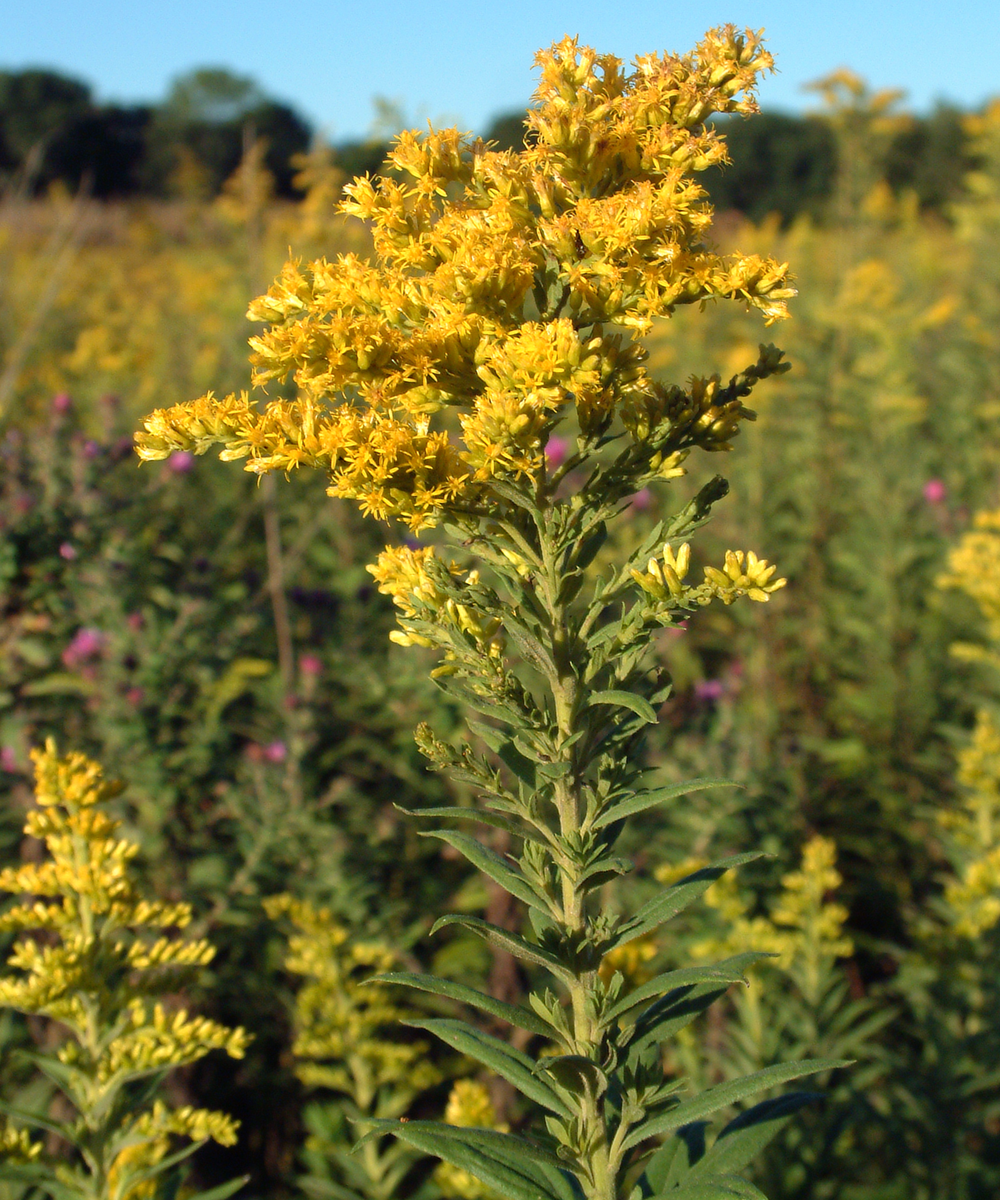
{"points": [[104, 958], [486, 370], [496, 280]]}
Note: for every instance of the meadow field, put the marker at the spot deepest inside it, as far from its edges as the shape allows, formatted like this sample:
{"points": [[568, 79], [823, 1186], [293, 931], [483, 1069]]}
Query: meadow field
{"points": [[214, 640]]}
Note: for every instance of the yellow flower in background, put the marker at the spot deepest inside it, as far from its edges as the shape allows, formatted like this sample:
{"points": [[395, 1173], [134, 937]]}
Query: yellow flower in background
{"points": [[93, 957], [469, 1105]]}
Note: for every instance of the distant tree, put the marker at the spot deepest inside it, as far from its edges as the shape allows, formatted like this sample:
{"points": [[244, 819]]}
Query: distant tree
{"points": [[104, 151], [205, 120], [780, 164], [507, 131], [36, 107], [932, 158]]}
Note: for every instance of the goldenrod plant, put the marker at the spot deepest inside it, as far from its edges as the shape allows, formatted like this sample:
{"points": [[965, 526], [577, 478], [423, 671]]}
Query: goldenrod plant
{"points": [[509, 297], [98, 962], [799, 1002], [346, 1043]]}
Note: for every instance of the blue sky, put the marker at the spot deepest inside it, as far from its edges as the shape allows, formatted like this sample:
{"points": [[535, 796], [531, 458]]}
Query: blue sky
{"points": [[464, 61]]}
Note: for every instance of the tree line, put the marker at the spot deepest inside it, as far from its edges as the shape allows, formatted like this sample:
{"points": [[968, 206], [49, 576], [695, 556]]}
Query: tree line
{"points": [[53, 131]]}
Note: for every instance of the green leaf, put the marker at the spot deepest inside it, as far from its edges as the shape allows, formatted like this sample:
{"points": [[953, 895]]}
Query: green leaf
{"points": [[509, 1171], [715, 1187], [671, 1162], [529, 645], [647, 799], [493, 737], [591, 544], [730, 970], [513, 1014], [62, 1128], [672, 1013], [730, 1092], [222, 1192], [492, 865], [505, 940], [746, 1136], [483, 817], [41, 1177], [630, 700], [513, 1065], [518, 765], [676, 898]]}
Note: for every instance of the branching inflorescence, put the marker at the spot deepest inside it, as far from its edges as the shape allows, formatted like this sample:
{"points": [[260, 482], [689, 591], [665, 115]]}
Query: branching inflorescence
{"points": [[508, 297], [95, 960]]}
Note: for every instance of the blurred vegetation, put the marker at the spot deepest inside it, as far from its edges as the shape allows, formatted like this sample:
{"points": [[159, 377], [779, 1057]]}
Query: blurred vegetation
{"points": [[220, 646]]}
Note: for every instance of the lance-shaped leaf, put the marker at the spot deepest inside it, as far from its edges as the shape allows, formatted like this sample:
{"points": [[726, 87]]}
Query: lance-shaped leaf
{"points": [[675, 899], [630, 700], [513, 1014], [730, 1092], [730, 970], [493, 865], [40, 1176], [513, 1065], [505, 940], [746, 1136], [714, 1187], [648, 799], [481, 816], [529, 645], [667, 1016], [508, 1168]]}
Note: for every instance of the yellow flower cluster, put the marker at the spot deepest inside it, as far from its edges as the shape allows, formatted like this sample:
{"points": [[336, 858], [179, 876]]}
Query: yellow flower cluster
{"points": [[96, 968], [16, 1145], [802, 922], [631, 961], [402, 574], [498, 281], [342, 1025], [972, 894], [470, 1107], [974, 568], [742, 575]]}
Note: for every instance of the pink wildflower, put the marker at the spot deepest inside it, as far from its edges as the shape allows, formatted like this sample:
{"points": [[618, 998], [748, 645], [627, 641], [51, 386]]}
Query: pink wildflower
{"points": [[934, 491], [556, 449], [86, 644], [310, 665]]}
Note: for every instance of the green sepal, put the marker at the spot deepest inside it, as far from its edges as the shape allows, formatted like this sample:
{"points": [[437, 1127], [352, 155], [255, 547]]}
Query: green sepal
{"points": [[492, 865], [630, 700], [640, 801], [513, 1014], [747, 1135], [729, 970], [730, 1092], [513, 1065], [676, 898], [505, 940], [507, 1163]]}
